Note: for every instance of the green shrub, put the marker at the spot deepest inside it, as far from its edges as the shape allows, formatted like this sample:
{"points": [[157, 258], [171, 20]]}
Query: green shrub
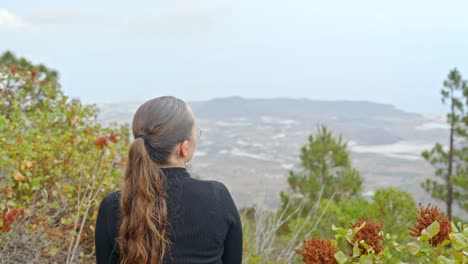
{"points": [[56, 163]]}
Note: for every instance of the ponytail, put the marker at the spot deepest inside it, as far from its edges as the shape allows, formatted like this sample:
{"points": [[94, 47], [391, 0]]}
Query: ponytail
{"points": [[142, 233]]}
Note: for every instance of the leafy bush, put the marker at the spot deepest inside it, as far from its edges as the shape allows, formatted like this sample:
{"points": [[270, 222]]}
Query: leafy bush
{"points": [[436, 241], [56, 162]]}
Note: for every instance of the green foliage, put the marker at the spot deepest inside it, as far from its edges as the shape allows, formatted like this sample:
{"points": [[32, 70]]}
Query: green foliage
{"points": [[26, 86], [396, 208], [416, 251], [451, 163], [56, 161], [327, 171], [342, 213]]}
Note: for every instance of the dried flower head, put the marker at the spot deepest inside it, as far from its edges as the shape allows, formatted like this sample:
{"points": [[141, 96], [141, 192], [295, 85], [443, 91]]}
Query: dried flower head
{"points": [[33, 73], [371, 233], [101, 142], [7, 191], [317, 251], [13, 69], [426, 217], [113, 138]]}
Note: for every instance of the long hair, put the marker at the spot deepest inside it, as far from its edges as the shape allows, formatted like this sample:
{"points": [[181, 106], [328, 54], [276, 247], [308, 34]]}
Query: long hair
{"points": [[158, 126]]}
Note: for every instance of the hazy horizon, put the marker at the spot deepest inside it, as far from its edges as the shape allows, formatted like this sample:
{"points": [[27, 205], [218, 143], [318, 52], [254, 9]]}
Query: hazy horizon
{"points": [[140, 101], [392, 52]]}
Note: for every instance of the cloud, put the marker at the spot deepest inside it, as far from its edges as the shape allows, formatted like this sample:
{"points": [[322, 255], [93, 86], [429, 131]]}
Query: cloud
{"points": [[61, 15], [178, 18], [175, 22], [9, 19], [174, 19]]}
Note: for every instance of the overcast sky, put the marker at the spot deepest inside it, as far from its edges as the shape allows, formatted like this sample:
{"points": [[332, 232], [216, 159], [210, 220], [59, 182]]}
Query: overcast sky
{"points": [[391, 51]]}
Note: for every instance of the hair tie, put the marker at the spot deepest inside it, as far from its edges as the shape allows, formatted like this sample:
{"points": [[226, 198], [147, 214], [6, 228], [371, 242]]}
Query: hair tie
{"points": [[144, 138]]}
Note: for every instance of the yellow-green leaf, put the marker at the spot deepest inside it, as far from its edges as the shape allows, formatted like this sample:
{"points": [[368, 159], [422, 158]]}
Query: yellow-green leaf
{"points": [[18, 176]]}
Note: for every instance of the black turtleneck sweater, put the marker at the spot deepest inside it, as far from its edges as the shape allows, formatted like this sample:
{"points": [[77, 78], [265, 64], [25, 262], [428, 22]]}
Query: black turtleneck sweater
{"points": [[203, 222]]}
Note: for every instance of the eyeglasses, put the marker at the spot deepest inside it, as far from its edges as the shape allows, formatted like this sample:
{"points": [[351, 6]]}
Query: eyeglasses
{"points": [[198, 133]]}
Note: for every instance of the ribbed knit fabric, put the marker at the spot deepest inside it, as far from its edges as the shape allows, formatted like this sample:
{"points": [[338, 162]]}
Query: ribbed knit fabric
{"points": [[203, 222]]}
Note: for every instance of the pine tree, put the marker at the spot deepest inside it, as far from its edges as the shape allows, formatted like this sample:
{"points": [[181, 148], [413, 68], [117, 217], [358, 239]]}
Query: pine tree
{"points": [[326, 165], [450, 163]]}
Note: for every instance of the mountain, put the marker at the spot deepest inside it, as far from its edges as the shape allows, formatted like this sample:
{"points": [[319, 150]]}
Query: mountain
{"points": [[232, 107]]}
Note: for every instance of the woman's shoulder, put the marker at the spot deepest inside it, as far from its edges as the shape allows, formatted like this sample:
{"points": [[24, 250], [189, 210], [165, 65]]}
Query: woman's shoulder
{"points": [[111, 200], [224, 199], [207, 188], [220, 190], [219, 186], [211, 184]]}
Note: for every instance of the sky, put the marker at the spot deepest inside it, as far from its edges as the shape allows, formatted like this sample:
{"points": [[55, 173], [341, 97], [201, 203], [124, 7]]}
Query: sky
{"points": [[388, 51]]}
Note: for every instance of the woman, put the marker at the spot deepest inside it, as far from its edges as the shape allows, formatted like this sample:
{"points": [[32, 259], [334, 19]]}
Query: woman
{"points": [[161, 214]]}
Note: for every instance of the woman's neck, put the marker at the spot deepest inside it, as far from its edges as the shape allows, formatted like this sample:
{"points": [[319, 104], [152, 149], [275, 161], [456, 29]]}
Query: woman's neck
{"points": [[173, 165]]}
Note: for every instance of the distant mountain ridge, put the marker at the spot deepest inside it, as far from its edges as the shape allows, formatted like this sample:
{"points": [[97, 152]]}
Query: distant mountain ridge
{"points": [[230, 107], [234, 107]]}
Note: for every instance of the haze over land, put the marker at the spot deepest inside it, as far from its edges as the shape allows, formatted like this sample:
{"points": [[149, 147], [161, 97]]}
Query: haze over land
{"points": [[251, 144]]}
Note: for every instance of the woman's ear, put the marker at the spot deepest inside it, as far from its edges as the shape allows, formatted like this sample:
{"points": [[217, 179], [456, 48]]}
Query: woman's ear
{"points": [[183, 149]]}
